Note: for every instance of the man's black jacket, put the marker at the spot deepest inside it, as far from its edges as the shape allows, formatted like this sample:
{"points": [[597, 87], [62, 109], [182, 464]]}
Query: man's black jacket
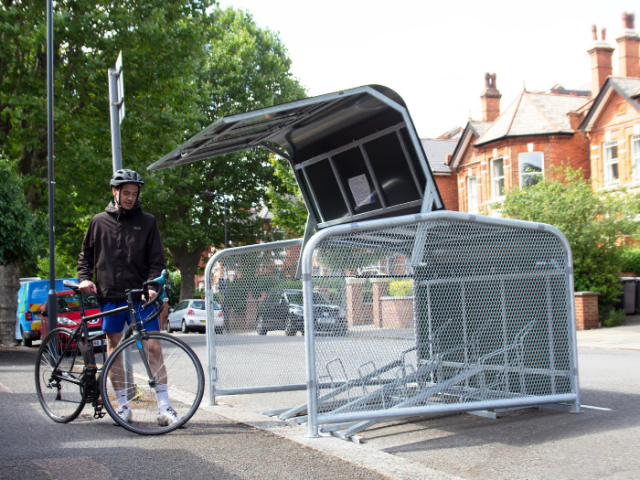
{"points": [[124, 248]]}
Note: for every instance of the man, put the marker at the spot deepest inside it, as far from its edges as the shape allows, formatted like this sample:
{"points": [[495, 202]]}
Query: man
{"points": [[124, 247]]}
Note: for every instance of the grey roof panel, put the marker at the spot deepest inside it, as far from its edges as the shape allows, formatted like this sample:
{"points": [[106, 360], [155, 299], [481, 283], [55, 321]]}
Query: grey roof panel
{"points": [[436, 151], [534, 114]]}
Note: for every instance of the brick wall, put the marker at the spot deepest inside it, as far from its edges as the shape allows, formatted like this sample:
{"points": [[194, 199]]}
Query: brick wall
{"points": [[447, 185], [557, 150], [358, 312], [586, 310]]}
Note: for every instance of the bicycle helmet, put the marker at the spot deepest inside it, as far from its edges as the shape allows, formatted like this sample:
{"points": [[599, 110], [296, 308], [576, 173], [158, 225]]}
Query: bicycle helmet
{"points": [[124, 175]]}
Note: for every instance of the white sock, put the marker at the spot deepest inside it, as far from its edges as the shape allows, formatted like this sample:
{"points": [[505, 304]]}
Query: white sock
{"points": [[162, 395], [121, 395]]}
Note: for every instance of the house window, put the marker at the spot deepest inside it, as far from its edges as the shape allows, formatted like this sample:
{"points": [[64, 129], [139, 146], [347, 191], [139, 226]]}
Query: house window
{"points": [[610, 161], [531, 168], [472, 194], [497, 177], [635, 156]]}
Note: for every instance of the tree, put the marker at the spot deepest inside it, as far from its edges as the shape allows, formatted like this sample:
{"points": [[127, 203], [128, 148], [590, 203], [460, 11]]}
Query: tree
{"points": [[18, 234], [163, 45], [285, 200], [246, 68], [187, 62], [594, 225]]}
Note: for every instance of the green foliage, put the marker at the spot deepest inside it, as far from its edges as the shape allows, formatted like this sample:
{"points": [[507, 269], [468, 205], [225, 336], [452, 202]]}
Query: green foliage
{"points": [[593, 224], [613, 318], [631, 260], [19, 226], [401, 288], [285, 200], [186, 64], [65, 267], [174, 293]]}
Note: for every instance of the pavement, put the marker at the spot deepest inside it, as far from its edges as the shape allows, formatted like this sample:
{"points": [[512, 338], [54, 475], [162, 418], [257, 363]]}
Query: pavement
{"points": [[623, 337], [234, 441]]}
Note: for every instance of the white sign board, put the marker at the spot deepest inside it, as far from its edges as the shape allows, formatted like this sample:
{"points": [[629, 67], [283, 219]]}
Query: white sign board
{"points": [[120, 83], [360, 190]]}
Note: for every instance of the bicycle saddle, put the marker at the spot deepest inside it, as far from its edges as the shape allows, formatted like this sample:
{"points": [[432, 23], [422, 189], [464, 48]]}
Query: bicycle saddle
{"points": [[71, 284]]}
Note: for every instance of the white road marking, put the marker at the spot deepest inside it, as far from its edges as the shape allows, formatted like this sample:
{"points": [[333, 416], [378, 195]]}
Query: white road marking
{"points": [[589, 407]]}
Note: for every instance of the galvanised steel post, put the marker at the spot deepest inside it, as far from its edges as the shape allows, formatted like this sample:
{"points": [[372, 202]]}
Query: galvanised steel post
{"points": [[52, 296], [116, 146]]}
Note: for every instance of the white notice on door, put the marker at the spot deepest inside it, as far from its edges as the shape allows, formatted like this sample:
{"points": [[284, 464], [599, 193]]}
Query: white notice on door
{"points": [[360, 190]]}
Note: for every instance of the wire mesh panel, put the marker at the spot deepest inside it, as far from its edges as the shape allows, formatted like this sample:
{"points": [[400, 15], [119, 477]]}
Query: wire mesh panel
{"points": [[254, 345], [438, 312]]}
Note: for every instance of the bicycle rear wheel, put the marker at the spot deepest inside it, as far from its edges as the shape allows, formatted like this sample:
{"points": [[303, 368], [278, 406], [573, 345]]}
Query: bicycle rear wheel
{"points": [[58, 387], [177, 367]]}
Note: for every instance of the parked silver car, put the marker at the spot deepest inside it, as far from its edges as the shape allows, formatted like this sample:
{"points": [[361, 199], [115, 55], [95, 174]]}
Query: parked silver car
{"points": [[190, 315]]}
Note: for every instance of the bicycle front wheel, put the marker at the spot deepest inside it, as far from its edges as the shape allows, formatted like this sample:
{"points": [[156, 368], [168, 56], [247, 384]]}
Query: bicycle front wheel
{"points": [[60, 367], [174, 367]]}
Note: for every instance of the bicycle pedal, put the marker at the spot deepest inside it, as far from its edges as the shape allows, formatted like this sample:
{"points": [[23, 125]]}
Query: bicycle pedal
{"points": [[98, 413]]}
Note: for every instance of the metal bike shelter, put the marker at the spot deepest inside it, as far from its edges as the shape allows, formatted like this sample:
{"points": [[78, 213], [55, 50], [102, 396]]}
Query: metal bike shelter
{"points": [[370, 195]]}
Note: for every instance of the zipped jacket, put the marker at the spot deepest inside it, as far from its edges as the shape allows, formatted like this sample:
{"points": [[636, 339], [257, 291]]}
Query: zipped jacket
{"points": [[124, 249]]}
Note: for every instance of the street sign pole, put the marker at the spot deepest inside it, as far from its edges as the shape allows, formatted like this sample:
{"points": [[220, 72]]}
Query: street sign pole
{"points": [[52, 296], [116, 102], [116, 108]]}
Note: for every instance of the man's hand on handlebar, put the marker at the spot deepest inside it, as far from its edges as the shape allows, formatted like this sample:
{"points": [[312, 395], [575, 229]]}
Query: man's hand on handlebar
{"points": [[87, 287], [152, 294]]}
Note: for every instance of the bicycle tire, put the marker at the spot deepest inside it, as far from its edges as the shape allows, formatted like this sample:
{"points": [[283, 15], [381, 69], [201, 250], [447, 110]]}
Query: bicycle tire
{"points": [[61, 399], [183, 375]]}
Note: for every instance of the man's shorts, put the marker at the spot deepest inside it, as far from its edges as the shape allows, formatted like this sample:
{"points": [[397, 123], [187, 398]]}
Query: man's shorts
{"points": [[115, 323]]}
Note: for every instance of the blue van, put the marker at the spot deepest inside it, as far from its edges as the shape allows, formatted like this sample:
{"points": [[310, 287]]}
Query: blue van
{"points": [[31, 299]]}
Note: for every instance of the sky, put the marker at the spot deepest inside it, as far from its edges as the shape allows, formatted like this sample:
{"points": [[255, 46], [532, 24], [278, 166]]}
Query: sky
{"points": [[435, 54]]}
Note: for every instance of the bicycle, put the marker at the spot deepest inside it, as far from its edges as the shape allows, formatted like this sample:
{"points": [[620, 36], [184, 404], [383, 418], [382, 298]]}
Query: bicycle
{"points": [[68, 376]]}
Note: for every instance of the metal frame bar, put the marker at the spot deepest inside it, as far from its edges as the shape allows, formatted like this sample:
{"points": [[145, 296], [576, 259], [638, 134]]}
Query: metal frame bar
{"points": [[314, 418], [349, 146], [412, 167], [364, 216], [374, 179], [342, 190], [212, 371], [313, 196]]}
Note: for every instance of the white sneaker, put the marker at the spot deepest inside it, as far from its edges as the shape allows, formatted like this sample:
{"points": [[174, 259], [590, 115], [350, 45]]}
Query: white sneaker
{"points": [[125, 413], [168, 417]]}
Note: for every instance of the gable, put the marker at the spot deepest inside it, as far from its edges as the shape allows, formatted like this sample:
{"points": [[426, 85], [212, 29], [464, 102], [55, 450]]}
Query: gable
{"points": [[615, 111], [624, 88]]}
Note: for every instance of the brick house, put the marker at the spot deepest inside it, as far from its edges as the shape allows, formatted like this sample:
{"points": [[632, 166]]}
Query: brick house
{"points": [[439, 152], [613, 122], [535, 134]]}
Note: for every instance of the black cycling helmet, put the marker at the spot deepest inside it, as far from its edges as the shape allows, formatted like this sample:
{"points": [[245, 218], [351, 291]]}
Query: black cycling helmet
{"points": [[124, 175]]}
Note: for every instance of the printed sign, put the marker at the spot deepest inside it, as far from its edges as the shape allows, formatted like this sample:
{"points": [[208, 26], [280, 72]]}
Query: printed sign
{"points": [[360, 190]]}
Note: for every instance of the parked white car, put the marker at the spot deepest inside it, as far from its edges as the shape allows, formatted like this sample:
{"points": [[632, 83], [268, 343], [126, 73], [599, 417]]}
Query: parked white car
{"points": [[190, 315]]}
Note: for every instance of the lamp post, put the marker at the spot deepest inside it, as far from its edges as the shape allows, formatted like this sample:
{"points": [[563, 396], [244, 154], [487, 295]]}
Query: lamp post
{"points": [[224, 198], [52, 295]]}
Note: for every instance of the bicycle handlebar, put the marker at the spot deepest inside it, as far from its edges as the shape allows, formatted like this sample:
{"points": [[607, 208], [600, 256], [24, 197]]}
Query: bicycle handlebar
{"points": [[160, 281]]}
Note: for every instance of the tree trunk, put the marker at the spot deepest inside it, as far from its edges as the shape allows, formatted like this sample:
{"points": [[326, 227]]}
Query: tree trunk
{"points": [[187, 263], [9, 286]]}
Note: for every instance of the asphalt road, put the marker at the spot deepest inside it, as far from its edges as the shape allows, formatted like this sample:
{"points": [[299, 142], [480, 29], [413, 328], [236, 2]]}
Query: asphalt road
{"points": [[212, 447], [602, 442]]}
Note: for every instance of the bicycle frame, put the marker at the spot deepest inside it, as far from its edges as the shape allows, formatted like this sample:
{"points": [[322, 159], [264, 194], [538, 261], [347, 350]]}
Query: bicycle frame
{"points": [[133, 329]]}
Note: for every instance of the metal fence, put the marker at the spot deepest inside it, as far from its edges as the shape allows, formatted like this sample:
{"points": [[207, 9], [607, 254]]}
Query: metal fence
{"points": [[473, 313], [240, 284]]}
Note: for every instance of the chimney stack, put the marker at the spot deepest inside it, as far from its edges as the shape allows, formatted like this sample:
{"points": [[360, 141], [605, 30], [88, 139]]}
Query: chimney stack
{"points": [[628, 48], [490, 99], [601, 67]]}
